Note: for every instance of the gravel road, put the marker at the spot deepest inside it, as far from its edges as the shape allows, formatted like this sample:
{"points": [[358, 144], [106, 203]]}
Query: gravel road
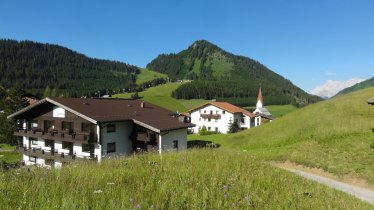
{"points": [[361, 193]]}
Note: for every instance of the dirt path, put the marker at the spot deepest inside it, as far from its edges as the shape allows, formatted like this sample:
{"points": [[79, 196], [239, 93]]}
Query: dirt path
{"points": [[365, 194]]}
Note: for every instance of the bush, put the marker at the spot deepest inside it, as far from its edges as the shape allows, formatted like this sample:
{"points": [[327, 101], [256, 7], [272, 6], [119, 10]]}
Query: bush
{"points": [[203, 131]]}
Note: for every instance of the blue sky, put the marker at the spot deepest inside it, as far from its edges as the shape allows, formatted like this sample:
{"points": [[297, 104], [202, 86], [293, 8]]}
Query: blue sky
{"points": [[308, 42]]}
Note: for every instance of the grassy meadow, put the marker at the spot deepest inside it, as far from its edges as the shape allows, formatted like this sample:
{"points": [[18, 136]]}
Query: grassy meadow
{"points": [[196, 179], [147, 75], [161, 96], [335, 135]]}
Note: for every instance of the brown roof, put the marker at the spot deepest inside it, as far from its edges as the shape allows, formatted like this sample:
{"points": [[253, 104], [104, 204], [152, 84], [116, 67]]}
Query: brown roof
{"points": [[227, 107], [109, 110]]}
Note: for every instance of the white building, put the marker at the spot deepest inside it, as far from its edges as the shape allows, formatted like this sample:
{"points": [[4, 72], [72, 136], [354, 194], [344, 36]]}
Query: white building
{"points": [[217, 116], [261, 111], [57, 131]]}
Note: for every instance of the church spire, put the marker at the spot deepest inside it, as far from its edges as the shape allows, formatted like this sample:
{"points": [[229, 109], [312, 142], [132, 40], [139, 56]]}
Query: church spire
{"points": [[259, 99]]}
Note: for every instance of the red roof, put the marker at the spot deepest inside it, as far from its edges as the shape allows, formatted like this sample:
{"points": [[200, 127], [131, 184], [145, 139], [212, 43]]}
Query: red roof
{"points": [[227, 107]]}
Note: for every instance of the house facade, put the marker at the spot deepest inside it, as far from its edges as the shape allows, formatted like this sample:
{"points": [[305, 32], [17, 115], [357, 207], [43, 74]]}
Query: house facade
{"points": [[217, 116], [57, 131]]}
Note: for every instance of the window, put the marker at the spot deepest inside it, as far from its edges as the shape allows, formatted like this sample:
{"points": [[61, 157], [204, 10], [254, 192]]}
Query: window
{"points": [[34, 123], [216, 111], [208, 128], [49, 143], [200, 119], [199, 110], [111, 147], [223, 112], [211, 112], [175, 144], [242, 120], [67, 145], [216, 129], [111, 128], [67, 126], [216, 120], [49, 124], [209, 119], [87, 147], [33, 141], [204, 111], [32, 159], [88, 127]]}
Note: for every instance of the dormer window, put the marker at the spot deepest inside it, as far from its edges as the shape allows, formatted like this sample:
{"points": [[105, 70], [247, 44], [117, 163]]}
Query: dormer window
{"points": [[111, 128]]}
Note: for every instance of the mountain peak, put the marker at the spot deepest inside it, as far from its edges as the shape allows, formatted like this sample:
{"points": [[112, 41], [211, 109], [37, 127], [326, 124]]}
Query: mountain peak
{"points": [[203, 44]]}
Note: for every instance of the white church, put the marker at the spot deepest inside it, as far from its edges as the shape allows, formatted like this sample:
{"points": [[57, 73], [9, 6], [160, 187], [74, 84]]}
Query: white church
{"points": [[217, 116], [260, 110]]}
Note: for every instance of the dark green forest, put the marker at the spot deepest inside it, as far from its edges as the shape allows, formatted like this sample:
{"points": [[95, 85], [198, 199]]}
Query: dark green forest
{"points": [[217, 74], [52, 70]]}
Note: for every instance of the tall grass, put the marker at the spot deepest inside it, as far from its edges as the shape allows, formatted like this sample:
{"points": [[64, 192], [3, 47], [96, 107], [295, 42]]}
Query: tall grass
{"points": [[334, 135], [197, 179]]}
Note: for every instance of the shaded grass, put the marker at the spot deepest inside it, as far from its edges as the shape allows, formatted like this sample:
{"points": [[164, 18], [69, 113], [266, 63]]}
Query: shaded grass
{"points": [[235, 180], [7, 147], [161, 96], [10, 157], [334, 135]]}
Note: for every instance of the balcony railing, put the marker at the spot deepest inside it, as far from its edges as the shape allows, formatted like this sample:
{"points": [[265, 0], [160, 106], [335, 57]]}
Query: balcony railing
{"points": [[53, 154], [212, 116], [64, 135]]}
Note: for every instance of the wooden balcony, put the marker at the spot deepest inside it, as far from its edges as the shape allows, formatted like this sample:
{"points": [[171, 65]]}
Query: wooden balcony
{"points": [[54, 155], [211, 116], [70, 136]]}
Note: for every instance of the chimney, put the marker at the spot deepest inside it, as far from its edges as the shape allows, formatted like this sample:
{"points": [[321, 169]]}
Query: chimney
{"points": [[142, 104]]}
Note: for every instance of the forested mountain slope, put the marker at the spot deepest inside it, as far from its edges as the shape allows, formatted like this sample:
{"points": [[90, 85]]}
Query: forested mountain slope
{"points": [[64, 71], [358, 86], [224, 76]]}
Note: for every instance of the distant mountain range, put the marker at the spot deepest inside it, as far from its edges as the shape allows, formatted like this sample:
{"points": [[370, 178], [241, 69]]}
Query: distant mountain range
{"points": [[218, 74], [358, 86], [47, 69]]}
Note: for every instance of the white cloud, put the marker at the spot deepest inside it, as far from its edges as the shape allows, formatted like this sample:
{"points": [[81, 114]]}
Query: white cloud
{"points": [[331, 87]]}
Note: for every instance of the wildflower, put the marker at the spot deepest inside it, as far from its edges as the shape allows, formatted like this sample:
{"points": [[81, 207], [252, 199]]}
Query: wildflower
{"points": [[225, 195], [131, 200], [225, 187], [137, 206], [98, 191], [233, 204], [246, 197], [110, 183]]}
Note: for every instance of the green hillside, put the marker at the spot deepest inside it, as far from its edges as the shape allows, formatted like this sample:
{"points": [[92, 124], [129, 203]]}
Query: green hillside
{"points": [[161, 96], [222, 75], [36, 66], [148, 75], [335, 135], [358, 86], [197, 179]]}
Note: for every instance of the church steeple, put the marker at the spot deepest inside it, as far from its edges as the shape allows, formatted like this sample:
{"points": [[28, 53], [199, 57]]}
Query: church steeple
{"points": [[259, 99]]}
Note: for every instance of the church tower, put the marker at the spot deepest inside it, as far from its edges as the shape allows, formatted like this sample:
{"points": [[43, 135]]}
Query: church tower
{"points": [[259, 100]]}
